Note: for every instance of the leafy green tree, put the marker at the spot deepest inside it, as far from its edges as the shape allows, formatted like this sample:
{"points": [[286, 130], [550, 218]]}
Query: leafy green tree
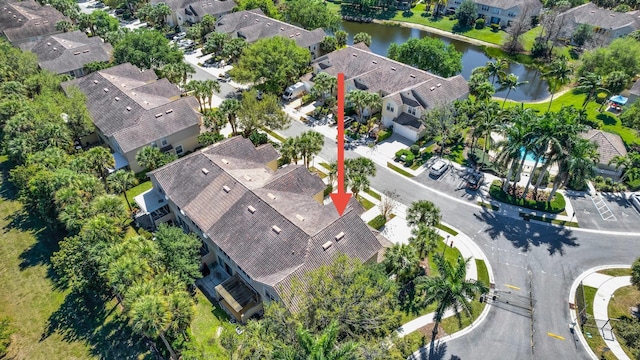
{"points": [[324, 347], [341, 37], [215, 43], [267, 7], [257, 114], [311, 14], [329, 44], [357, 173], [209, 138], [616, 81], [276, 60], [121, 181], [423, 212], [467, 13], [582, 34], [635, 273], [449, 290], [630, 163], [101, 23], [152, 158], [64, 26], [78, 119], [146, 49], [232, 49], [362, 37], [179, 252], [444, 123], [429, 54], [631, 116], [623, 54], [402, 261]]}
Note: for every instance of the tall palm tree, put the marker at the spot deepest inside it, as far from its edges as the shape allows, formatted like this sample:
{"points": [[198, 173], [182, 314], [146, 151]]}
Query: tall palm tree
{"points": [[231, 107], [450, 289], [290, 150], [577, 162], [557, 75], [357, 173], [214, 119], [325, 347], [309, 144], [630, 163], [516, 136], [510, 82], [121, 181], [487, 121], [360, 100], [333, 172], [150, 316], [324, 85], [177, 73], [402, 261], [423, 212], [100, 160], [424, 239], [591, 84], [209, 88], [373, 102], [496, 69], [110, 205]]}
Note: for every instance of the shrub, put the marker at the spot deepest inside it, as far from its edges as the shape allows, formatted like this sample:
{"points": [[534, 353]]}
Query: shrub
{"points": [[306, 99], [415, 149], [258, 138], [377, 222], [328, 190], [545, 177], [556, 205], [384, 135], [480, 24], [495, 27]]}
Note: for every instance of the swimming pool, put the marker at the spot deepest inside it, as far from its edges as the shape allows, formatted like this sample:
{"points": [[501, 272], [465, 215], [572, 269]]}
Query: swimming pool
{"points": [[530, 156]]}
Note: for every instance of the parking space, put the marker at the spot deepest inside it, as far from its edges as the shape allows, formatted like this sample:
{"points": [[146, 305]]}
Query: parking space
{"points": [[599, 212]]}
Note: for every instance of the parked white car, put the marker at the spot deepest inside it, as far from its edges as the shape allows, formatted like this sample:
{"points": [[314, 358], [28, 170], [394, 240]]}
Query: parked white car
{"points": [[438, 168], [634, 199], [179, 36]]}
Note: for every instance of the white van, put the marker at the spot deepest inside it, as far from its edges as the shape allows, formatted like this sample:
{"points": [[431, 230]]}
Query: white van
{"points": [[293, 91]]}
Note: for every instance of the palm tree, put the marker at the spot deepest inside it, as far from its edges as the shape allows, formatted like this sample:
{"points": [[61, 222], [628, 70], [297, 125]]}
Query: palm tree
{"points": [[630, 163], [309, 144], [209, 88], [177, 73], [357, 172], [182, 310], [423, 212], [151, 158], [591, 84], [516, 136], [290, 150], [487, 121], [510, 82], [360, 100], [109, 205], [373, 102], [150, 316], [64, 26], [496, 69], [333, 172], [450, 289], [577, 162], [424, 239], [121, 181], [557, 75], [402, 261], [198, 90], [214, 119], [324, 347], [324, 85], [231, 107]]}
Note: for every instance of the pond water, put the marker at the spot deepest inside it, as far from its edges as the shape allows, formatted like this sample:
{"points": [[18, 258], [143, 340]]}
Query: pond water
{"points": [[472, 56]]}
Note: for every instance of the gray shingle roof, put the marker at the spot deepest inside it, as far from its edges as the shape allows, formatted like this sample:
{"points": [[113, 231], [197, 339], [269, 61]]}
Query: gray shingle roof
{"points": [[124, 101], [388, 77], [253, 25], [591, 14], [508, 4], [201, 7], [21, 20], [281, 198], [65, 52], [409, 120], [635, 89], [609, 145]]}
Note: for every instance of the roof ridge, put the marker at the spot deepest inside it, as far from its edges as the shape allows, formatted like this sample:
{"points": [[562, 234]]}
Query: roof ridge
{"points": [[398, 62]]}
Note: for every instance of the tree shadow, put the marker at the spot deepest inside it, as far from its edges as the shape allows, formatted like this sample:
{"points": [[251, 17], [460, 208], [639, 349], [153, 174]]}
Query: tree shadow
{"points": [[524, 235], [93, 320], [436, 350], [607, 119]]}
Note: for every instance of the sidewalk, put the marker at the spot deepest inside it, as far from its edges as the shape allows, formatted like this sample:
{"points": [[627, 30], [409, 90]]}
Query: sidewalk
{"points": [[607, 286]]}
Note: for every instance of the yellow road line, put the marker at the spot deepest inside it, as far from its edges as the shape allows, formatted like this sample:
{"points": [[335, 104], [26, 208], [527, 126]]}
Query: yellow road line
{"points": [[512, 287], [555, 336]]}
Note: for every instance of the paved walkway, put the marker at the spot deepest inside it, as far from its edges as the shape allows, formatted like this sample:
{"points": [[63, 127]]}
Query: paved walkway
{"points": [[607, 286]]}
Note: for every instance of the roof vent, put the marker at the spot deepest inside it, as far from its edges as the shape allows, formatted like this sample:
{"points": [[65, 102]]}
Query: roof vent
{"points": [[271, 196], [327, 245], [182, 212], [299, 217], [413, 76], [54, 49], [593, 11], [375, 62], [251, 209], [393, 69], [205, 171], [45, 22], [133, 93], [128, 108], [297, 34], [117, 98], [105, 90], [226, 188], [291, 35], [94, 81], [268, 24], [85, 51], [612, 15], [281, 29], [225, 161], [19, 20], [432, 88], [276, 229], [438, 84], [247, 177], [158, 115], [48, 44], [339, 236], [257, 20], [169, 111], [354, 55]]}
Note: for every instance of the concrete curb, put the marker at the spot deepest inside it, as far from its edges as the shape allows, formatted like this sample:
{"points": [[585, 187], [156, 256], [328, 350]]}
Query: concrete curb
{"points": [[572, 296]]}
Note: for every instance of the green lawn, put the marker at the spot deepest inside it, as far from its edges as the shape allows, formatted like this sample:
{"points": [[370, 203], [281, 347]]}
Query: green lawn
{"points": [[610, 123], [399, 170], [50, 322], [139, 189], [373, 194], [366, 204], [589, 329], [204, 328], [447, 229], [529, 37], [483, 272], [616, 272]]}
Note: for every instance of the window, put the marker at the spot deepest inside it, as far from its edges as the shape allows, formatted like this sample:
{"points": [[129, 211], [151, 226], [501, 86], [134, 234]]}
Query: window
{"points": [[269, 296], [153, 144], [179, 149], [484, 8], [511, 14], [390, 107], [411, 110], [164, 142], [496, 11], [457, 2]]}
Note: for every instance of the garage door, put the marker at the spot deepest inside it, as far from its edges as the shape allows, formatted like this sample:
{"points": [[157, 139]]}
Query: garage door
{"points": [[404, 131]]}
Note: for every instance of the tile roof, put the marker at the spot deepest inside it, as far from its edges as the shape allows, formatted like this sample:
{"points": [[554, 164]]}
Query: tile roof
{"points": [[21, 20], [591, 14], [253, 25], [266, 221], [609, 145], [133, 106], [375, 73], [508, 4], [65, 52]]}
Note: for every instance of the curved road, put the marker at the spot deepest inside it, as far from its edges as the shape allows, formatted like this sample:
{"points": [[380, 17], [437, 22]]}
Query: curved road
{"points": [[534, 267]]}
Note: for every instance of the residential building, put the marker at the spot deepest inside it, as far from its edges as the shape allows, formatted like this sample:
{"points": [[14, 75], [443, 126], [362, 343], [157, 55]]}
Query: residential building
{"points": [[253, 25], [609, 146], [192, 11], [607, 24], [261, 227], [634, 92], [406, 92], [69, 53], [502, 12], [132, 109], [27, 21]]}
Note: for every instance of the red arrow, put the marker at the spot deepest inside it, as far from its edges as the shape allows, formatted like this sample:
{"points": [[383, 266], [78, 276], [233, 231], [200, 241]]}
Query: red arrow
{"points": [[341, 198]]}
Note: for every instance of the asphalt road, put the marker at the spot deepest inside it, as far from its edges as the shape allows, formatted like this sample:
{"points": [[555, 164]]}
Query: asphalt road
{"points": [[534, 266]]}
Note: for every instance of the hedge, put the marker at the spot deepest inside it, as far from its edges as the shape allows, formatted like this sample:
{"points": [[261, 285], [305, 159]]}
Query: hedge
{"points": [[556, 205], [384, 135], [377, 222], [328, 190]]}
